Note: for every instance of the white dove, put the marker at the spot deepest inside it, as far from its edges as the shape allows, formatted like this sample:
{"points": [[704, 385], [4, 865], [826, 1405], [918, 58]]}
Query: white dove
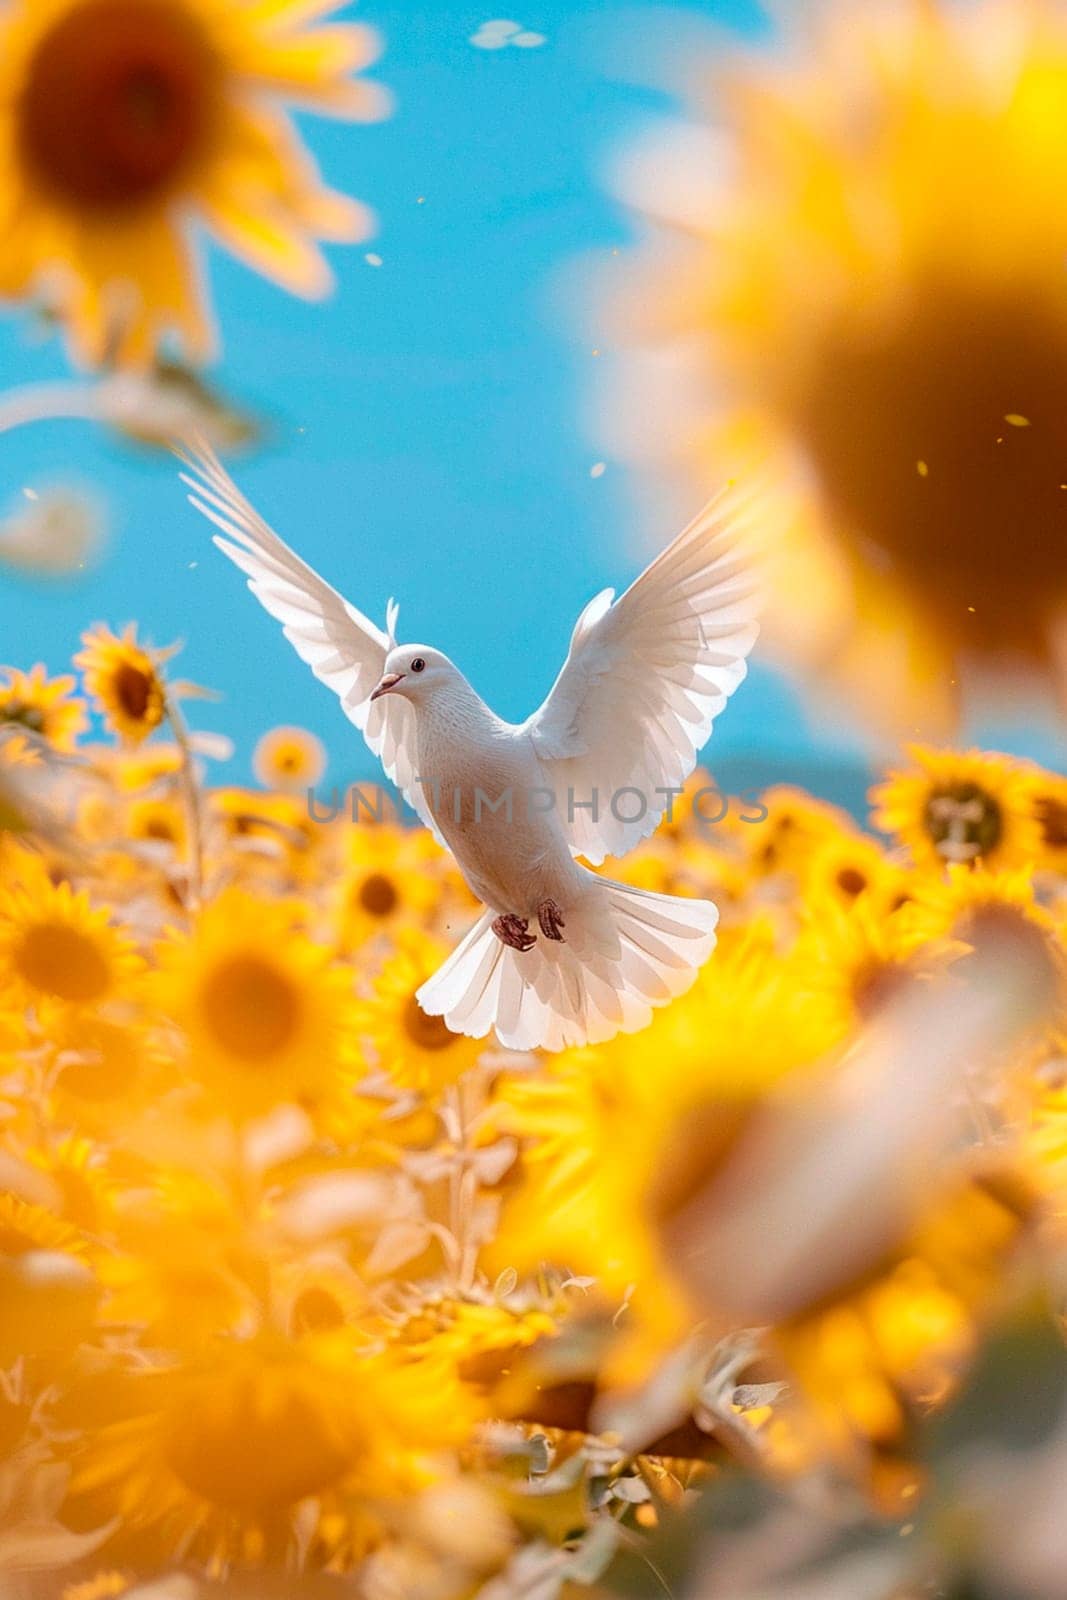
{"points": [[560, 956]]}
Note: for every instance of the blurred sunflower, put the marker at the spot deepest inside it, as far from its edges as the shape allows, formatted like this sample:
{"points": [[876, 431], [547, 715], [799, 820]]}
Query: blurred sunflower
{"points": [[388, 881], [967, 905], [832, 299], [266, 1016], [25, 1227], [43, 706], [795, 826], [289, 758], [956, 808], [57, 948], [850, 866], [124, 680], [100, 1061], [416, 1050], [856, 959], [158, 821], [898, 1341], [217, 1455], [122, 120]]}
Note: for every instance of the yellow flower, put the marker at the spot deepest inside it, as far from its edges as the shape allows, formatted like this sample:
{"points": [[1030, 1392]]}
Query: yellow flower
{"points": [[289, 758], [26, 1227], [43, 706], [856, 958], [134, 768], [125, 120], [389, 881], [265, 1014], [265, 835], [969, 904], [616, 1139], [795, 826], [848, 866], [416, 1050], [884, 1350], [124, 680], [216, 1456], [57, 949], [158, 821], [833, 295], [957, 809]]}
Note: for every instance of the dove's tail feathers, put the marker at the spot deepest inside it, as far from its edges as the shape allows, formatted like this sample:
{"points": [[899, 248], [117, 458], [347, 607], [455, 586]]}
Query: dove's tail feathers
{"points": [[626, 951]]}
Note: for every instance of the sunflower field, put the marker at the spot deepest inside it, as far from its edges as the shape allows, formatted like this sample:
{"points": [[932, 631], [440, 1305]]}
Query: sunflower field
{"points": [[304, 1296]]}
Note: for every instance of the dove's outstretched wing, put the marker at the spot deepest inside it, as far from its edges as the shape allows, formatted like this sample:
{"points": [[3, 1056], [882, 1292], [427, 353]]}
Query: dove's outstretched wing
{"points": [[343, 648], [645, 677]]}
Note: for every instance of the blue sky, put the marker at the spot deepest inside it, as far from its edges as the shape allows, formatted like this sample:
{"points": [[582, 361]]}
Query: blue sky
{"points": [[428, 436]]}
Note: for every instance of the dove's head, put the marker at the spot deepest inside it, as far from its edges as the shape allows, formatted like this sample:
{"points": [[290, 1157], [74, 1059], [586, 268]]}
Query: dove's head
{"points": [[416, 671]]}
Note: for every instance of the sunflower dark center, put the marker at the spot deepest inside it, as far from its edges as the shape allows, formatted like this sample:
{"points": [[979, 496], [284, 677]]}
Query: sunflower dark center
{"points": [[963, 822], [378, 895], [255, 1445], [60, 961], [133, 690], [252, 1008], [907, 424], [117, 102], [1052, 817], [429, 1033], [851, 881], [25, 716]]}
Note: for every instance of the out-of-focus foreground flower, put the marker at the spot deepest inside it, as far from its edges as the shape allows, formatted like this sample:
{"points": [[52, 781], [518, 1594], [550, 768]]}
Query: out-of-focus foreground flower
{"points": [[860, 283], [301, 1294], [124, 121]]}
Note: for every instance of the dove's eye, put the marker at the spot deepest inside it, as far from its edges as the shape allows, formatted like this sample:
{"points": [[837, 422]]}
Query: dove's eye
{"points": [[418, 665]]}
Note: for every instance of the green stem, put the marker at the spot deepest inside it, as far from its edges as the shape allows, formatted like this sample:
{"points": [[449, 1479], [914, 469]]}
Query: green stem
{"points": [[191, 793]]}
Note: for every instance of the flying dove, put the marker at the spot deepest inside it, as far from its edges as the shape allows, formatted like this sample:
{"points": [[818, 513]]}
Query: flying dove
{"points": [[560, 956]]}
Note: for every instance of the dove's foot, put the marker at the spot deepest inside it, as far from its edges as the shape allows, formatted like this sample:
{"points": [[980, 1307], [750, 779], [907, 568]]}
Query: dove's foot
{"points": [[551, 920], [514, 932]]}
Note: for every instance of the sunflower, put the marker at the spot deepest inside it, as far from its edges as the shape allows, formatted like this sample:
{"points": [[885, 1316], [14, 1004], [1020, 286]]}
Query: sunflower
{"points": [[256, 835], [289, 758], [849, 866], [134, 768], [43, 706], [25, 1227], [888, 1348], [416, 1050], [613, 1145], [159, 822], [855, 958], [968, 905], [124, 680], [829, 297], [960, 808], [57, 949], [100, 1060], [124, 120], [796, 824], [216, 1456], [265, 1014], [389, 880]]}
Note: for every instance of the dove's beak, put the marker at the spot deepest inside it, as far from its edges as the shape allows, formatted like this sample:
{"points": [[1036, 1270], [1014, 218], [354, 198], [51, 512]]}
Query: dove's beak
{"points": [[388, 683]]}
